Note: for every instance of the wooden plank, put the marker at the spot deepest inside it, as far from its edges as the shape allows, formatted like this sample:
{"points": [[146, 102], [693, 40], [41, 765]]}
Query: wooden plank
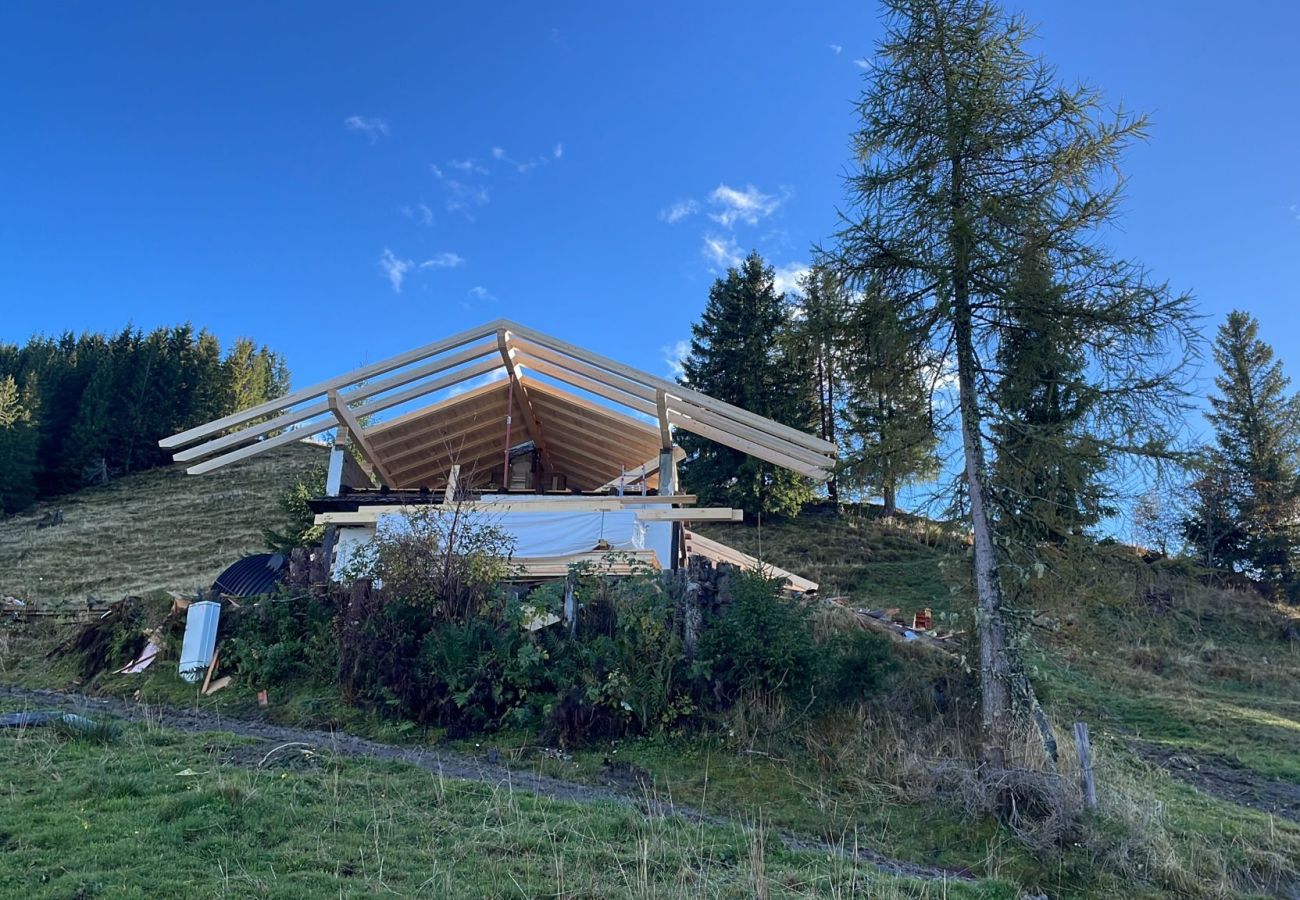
{"points": [[393, 430], [762, 438], [578, 367], [349, 421], [565, 428], [354, 476], [729, 440], [440, 457], [236, 438], [293, 398], [700, 514], [649, 467], [665, 427], [531, 423], [552, 403], [279, 440], [673, 390], [506, 503], [594, 387], [453, 482], [720, 552], [437, 445]]}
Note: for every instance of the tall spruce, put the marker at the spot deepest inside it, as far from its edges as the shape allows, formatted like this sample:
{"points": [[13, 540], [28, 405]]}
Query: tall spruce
{"points": [[1255, 463], [820, 330], [1046, 476], [970, 152], [892, 440], [18, 445], [743, 352]]}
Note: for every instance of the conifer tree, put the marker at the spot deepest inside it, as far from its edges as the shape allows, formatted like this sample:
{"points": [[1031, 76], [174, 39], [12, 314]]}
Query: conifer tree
{"points": [[1257, 453], [1046, 473], [18, 444], [891, 433], [970, 155], [742, 353], [820, 332]]}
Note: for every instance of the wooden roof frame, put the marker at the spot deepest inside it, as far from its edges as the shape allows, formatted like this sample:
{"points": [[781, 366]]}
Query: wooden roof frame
{"points": [[497, 346]]}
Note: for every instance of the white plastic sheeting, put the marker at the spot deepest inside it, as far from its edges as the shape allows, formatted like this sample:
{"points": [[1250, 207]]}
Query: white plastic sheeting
{"points": [[200, 639]]}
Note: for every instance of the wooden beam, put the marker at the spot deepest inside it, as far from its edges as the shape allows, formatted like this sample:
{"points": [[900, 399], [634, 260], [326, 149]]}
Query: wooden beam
{"points": [[699, 514], [532, 424], [812, 458], [293, 398], [578, 367], [758, 450], [358, 434], [698, 544], [506, 503], [673, 390], [591, 386], [453, 482], [460, 406], [665, 427], [279, 440], [649, 467]]}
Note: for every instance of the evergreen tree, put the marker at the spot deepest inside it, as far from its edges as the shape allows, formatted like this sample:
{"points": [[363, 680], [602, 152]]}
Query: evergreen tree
{"points": [[742, 352], [970, 155], [890, 419], [820, 332], [1257, 453], [18, 444], [1046, 483]]}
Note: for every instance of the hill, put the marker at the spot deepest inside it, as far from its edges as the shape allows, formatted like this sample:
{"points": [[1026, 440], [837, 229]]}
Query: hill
{"points": [[153, 530], [1192, 694]]}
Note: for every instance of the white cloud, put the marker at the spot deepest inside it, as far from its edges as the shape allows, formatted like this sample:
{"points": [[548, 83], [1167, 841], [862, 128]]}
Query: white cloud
{"points": [[748, 206], [558, 151], [443, 261], [462, 196], [420, 213], [469, 164], [371, 126], [862, 63], [498, 153], [394, 269], [488, 378], [836, 49], [788, 276], [722, 251], [679, 210], [674, 355]]}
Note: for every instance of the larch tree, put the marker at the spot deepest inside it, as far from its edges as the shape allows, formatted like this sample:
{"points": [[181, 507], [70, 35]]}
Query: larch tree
{"points": [[742, 352], [970, 154], [1257, 434]]}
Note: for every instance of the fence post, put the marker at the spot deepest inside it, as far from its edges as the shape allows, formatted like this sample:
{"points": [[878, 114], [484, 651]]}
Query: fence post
{"points": [[571, 604], [1086, 778]]}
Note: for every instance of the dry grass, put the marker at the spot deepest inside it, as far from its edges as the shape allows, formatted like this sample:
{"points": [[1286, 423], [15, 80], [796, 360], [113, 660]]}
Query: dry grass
{"points": [[154, 530]]}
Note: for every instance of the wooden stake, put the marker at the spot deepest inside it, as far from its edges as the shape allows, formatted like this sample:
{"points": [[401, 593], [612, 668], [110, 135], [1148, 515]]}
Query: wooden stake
{"points": [[1086, 778]]}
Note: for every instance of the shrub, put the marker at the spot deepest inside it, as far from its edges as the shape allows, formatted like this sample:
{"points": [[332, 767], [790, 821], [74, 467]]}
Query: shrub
{"points": [[856, 666], [282, 638]]}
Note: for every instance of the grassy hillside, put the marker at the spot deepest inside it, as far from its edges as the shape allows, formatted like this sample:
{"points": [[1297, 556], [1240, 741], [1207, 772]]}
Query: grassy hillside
{"points": [[158, 529], [1192, 694]]}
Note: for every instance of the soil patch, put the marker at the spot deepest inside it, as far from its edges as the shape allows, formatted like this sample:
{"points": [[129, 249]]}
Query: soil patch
{"points": [[1221, 777]]}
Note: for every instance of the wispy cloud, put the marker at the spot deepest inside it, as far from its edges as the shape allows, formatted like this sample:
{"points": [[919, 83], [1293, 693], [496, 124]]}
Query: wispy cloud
{"points": [[722, 251], [478, 292], [469, 164], [837, 49], [680, 209], [558, 151], [1295, 211], [788, 276], [862, 63], [487, 378], [749, 205], [371, 126], [420, 213], [394, 269], [673, 356], [461, 196], [524, 166], [443, 261]]}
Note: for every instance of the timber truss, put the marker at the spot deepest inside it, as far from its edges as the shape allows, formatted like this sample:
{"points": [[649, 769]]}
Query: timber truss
{"points": [[521, 375]]}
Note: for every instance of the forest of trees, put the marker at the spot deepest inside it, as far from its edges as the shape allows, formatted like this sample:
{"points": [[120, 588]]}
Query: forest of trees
{"points": [[79, 410]]}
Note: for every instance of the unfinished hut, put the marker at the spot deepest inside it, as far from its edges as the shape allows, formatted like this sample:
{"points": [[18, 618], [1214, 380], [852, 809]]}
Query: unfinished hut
{"points": [[570, 452]]}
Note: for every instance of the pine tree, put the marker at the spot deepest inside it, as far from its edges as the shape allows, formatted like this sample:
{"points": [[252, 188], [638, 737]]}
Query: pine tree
{"points": [[820, 331], [1257, 433], [1046, 473], [18, 444], [891, 428], [742, 353], [969, 156]]}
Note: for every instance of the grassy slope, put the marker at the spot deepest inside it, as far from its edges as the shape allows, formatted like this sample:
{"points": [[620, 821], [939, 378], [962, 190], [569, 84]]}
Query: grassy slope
{"points": [[158, 813], [1149, 658], [159, 529]]}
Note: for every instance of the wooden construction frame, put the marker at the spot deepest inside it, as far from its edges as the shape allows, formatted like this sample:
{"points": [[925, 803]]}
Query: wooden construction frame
{"points": [[496, 347]]}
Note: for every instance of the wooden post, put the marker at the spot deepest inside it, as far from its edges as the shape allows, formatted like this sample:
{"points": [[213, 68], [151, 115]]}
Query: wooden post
{"points": [[1086, 779], [571, 604]]}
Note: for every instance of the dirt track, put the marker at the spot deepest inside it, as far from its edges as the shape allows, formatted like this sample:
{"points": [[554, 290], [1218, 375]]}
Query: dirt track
{"points": [[448, 763]]}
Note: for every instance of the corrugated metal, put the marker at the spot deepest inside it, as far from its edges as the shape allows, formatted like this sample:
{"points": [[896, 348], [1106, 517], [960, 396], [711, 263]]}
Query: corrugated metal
{"points": [[252, 576]]}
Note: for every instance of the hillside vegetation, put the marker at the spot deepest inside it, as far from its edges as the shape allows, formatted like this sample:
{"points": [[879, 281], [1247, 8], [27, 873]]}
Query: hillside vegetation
{"points": [[1192, 694], [153, 530]]}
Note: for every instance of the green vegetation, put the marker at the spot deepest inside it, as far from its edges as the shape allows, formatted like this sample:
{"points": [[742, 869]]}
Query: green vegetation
{"points": [[160, 529]]}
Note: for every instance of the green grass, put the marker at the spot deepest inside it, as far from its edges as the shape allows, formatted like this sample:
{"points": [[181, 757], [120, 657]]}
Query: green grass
{"points": [[161, 813], [154, 530]]}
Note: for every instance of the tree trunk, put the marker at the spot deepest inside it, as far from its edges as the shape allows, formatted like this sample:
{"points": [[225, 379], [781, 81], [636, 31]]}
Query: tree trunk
{"points": [[890, 495], [832, 489]]}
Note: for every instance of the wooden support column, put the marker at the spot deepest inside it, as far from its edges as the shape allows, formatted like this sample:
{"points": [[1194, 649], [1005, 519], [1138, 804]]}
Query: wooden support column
{"points": [[665, 428], [532, 424], [453, 485], [347, 420]]}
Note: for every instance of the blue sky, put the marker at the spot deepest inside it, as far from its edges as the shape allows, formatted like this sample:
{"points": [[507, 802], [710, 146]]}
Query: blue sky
{"points": [[346, 181]]}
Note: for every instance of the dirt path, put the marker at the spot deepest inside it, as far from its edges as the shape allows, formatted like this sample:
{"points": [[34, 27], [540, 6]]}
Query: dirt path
{"points": [[447, 763], [1223, 778]]}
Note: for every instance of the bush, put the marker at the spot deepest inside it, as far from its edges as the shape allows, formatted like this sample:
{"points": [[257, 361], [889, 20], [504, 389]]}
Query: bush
{"points": [[762, 644], [282, 638], [856, 666]]}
